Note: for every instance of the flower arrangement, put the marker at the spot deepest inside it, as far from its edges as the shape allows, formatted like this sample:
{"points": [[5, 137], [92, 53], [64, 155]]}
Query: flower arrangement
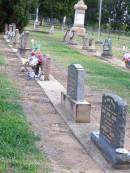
{"points": [[126, 59]]}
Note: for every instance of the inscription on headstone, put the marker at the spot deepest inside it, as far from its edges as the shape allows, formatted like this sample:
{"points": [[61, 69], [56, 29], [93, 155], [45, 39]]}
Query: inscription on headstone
{"points": [[75, 82]]}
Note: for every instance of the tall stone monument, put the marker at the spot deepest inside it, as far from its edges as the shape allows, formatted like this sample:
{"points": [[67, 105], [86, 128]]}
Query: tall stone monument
{"points": [[73, 101], [79, 18]]}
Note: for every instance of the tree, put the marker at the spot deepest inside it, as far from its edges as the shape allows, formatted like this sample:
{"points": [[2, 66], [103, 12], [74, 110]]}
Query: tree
{"points": [[14, 11]]}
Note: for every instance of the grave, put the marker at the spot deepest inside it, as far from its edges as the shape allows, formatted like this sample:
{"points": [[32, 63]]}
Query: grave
{"points": [[110, 138], [74, 102], [24, 49], [107, 48], [36, 23], [46, 67], [6, 29], [80, 8], [51, 31], [17, 37], [88, 44]]}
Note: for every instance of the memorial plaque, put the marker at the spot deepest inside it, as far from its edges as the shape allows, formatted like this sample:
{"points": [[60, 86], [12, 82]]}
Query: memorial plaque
{"points": [[113, 120], [75, 82]]}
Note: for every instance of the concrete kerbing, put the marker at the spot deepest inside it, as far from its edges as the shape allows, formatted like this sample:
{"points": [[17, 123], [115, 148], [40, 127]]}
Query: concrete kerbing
{"points": [[80, 131]]}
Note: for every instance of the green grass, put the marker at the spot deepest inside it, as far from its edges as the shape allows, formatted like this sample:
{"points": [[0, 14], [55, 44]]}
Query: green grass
{"points": [[99, 74], [18, 152]]}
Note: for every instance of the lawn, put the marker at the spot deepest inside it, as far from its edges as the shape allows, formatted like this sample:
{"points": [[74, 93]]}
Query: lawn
{"points": [[100, 76], [18, 152]]}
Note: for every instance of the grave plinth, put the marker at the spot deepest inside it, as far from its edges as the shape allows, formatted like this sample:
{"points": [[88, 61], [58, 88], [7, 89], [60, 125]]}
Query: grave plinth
{"points": [[74, 102], [110, 138]]}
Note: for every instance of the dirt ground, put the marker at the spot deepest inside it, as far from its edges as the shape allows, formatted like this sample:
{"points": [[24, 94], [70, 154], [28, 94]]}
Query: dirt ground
{"points": [[57, 141]]}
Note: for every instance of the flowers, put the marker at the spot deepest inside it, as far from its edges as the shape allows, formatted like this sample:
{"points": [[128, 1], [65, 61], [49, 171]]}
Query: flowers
{"points": [[126, 57]]}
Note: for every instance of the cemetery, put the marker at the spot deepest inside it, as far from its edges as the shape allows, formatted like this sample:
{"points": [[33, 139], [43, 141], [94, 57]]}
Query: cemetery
{"points": [[65, 95]]}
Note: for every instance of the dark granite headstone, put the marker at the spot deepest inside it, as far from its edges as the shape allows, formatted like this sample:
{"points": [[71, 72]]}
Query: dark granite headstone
{"points": [[112, 128], [107, 48], [75, 82]]}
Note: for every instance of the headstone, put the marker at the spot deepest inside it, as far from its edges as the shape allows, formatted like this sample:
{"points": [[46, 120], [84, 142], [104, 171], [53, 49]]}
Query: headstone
{"points": [[13, 27], [6, 29], [51, 30], [75, 82], [63, 23], [107, 48], [85, 43], [17, 37], [110, 138], [74, 102], [46, 68], [24, 44], [36, 23]]}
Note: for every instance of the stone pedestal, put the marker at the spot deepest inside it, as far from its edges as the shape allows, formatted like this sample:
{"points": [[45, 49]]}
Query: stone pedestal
{"points": [[80, 111]]}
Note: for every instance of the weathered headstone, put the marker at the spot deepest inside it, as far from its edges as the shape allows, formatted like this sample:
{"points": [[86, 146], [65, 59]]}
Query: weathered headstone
{"points": [[36, 23], [107, 48], [85, 43], [17, 37], [6, 29], [24, 44], [74, 101], [110, 138], [51, 31], [80, 8], [46, 67], [75, 82]]}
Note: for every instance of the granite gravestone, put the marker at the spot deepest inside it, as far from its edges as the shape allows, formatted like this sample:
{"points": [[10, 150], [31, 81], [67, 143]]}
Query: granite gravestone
{"points": [[110, 139], [74, 102], [85, 43], [75, 83], [107, 48]]}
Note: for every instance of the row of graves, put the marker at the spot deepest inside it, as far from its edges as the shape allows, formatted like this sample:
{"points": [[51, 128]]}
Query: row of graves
{"points": [[111, 136], [21, 45], [78, 31]]}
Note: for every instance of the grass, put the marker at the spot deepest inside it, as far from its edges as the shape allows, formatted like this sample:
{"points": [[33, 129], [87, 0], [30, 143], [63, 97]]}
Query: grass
{"points": [[99, 74], [18, 152]]}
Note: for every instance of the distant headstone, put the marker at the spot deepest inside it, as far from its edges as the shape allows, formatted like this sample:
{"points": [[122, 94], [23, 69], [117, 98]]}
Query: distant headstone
{"points": [[36, 22], [74, 101], [75, 83], [6, 29], [107, 48], [110, 139], [46, 67], [63, 23], [24, 44], [17, 37], [51, 30], [85, 43]]}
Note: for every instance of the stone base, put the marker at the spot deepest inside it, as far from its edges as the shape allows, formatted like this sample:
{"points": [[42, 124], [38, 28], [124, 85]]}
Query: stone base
{"points": [[106, 55], [118, 161], [24, 52], [79, 110], [79, 30]]}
